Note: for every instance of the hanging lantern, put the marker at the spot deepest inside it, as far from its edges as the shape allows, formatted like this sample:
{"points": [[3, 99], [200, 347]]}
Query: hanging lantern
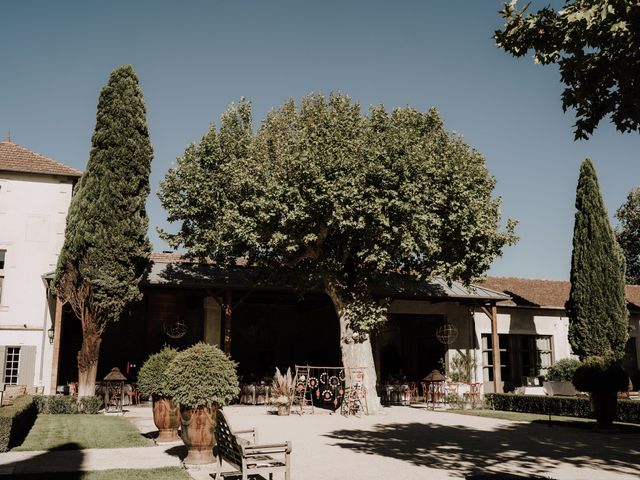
{"points": [[447, 333]]}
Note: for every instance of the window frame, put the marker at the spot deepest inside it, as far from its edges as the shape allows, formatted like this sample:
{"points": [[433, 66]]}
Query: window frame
{"points": [[12, 358]]}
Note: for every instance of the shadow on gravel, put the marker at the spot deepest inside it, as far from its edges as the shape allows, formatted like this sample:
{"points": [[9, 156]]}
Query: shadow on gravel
{"points": [[179, 451], [478, 454], [61, 462]]}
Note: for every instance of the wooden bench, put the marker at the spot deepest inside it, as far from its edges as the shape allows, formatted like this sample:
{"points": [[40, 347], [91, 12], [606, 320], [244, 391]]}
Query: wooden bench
{"points": [[239, 448]]}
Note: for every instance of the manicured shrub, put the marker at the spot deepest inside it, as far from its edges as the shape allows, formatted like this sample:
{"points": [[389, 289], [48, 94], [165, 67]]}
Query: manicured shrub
{"points": [[627, 410], [56, 404], [600, 374], [562, 370], [89, 405], [66, 404], [151, 377], [16, 421], [202, 375]]}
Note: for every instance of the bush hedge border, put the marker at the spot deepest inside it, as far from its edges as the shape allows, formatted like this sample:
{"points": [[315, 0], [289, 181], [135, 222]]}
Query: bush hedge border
{"points": [[628, 410], [16, 420], [67, 404]]}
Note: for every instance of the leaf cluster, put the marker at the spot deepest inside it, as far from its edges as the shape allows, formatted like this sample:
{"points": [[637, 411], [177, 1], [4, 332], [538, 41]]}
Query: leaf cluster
{"points": [[597, 308], [628, 234], [106, 249], [202, 375], [337, 196], [152, 378], [600, 374], [596, 45], [562, 370]]}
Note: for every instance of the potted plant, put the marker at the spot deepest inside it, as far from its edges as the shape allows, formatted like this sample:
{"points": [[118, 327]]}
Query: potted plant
{"points": [[603, 378], [559, 377], [201, 379], [282, 391], [152, 382]]}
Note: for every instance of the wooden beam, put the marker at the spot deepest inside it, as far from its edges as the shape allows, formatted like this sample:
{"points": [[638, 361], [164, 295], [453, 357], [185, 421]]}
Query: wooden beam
{"points": [[227, 311], [57, 336], [495, 343]]}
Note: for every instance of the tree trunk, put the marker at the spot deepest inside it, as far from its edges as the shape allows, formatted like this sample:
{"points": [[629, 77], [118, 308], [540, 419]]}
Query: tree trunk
{"points": [[88, 355], [357, 353]]}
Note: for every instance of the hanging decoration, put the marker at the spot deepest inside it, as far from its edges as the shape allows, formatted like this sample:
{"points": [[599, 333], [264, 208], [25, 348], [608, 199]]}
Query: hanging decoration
{"points": [[177, 329], [447, 333]]}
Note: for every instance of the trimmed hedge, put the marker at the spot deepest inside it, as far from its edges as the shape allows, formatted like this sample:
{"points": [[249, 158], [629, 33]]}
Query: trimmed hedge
{"points": [[16, 421], [65, 404], [628, 410]]}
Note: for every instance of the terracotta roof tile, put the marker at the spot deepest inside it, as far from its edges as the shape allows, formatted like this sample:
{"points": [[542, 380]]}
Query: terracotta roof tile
{"points": [[18, 159], [526, 292]]}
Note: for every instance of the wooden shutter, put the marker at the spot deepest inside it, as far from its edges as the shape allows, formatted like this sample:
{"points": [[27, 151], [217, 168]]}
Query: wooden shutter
{"points": [[27, 369], [3, 363]]}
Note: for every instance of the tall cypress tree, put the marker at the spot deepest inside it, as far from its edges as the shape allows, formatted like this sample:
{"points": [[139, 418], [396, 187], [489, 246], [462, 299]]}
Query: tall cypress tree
{"points": [[106, 247], [597, 310]]}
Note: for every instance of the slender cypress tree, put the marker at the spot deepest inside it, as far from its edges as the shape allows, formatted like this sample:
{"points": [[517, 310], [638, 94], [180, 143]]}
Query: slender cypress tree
{"points": [[106, 247], [597, 310]]}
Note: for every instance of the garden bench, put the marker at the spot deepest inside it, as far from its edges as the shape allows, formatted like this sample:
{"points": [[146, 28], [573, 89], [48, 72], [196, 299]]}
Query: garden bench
{"points": [[247, 457]]}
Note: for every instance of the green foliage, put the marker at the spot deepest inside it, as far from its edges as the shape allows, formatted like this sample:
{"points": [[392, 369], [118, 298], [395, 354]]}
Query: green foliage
{"points": [[90, 405], [106, 249], [67, 404], [202, 375], [597, 309], [628, 411], [152, 379], [599, 374], [628, 234], [594, 43], [461, 366], [338, 197], [15, 421], [545, 405], [563, 370]]}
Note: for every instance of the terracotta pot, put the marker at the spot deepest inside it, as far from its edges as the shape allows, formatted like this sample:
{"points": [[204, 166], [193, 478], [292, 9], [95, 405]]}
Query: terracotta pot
{"points": [[284, 409], [605, 408], [198, 433], [166, 416]]}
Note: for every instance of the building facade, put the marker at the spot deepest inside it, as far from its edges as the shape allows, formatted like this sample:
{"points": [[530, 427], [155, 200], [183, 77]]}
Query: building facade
{"points": [[35, 193]]}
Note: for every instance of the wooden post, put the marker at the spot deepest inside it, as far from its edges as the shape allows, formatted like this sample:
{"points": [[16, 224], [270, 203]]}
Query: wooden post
{"points": [[227, 311], [57, 336], [495, 342]]}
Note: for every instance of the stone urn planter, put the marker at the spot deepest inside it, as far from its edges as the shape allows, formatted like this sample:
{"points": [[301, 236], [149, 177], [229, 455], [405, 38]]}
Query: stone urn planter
{"points": [[166, 416], [152, 381], [198, 433], [201, 379]]}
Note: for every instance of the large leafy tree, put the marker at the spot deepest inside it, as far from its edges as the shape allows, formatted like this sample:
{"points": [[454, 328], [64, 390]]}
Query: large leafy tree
{"points": [[596, 44], [628, 234], [339, 198], [106, 248], [597, 309]]}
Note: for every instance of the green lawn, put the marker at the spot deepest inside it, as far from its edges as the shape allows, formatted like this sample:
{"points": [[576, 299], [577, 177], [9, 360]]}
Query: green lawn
{"points": [[82, 431], [166, 473], [587, 423]]}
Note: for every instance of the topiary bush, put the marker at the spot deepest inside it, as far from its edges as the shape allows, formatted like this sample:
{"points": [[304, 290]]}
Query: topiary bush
{"points": [[202, 375], [627, 410], [600, 374], [16, 421], [152, 379], [67, 404], [563, 370]]}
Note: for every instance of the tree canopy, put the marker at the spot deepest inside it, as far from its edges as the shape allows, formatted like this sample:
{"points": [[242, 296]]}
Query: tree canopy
{"points": [[628, 234], [106, 248], [342, 197], [596, 45], [597, 309]]}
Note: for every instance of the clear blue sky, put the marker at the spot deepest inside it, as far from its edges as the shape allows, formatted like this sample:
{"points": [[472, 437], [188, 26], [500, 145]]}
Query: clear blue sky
{"points": [[194, 58]]}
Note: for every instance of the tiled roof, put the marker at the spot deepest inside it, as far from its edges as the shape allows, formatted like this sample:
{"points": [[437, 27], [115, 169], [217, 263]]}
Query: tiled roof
{"points": [[15, 158], [526, 292]]}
